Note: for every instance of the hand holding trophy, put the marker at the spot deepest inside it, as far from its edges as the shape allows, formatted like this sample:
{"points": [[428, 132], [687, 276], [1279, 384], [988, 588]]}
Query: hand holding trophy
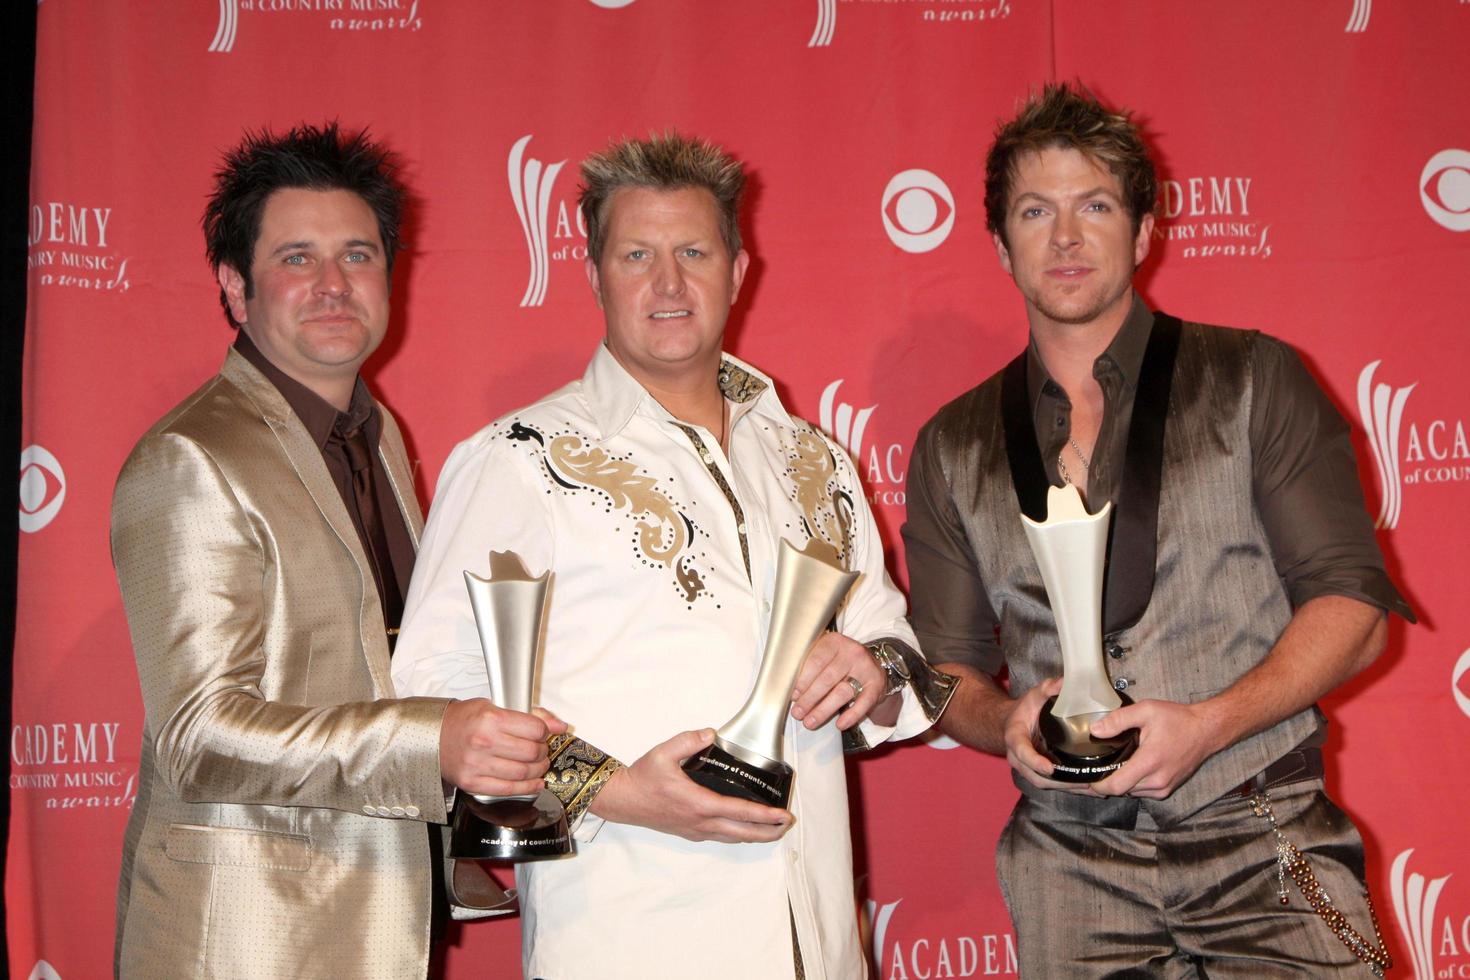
{"points": [[747, 757], [1070, 546], [510, 608]]}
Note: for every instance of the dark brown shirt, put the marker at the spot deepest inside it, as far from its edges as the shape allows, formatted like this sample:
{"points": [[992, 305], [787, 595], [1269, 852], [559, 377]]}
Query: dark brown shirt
{"points": [[328, 427], [1304, 481]]}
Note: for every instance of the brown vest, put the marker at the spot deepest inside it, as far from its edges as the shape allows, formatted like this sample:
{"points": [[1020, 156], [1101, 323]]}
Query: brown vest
{"points": [[1217, 605]]}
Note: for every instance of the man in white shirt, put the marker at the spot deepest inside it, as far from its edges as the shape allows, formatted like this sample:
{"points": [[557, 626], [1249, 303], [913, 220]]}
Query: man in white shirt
{"points": [[658, 489]]}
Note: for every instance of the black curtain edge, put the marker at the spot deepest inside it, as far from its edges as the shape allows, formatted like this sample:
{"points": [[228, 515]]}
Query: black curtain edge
{"points": [[18, 26]]}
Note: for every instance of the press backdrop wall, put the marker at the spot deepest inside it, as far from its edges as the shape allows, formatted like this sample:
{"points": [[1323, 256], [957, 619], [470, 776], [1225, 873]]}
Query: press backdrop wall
{"points": [[1317, 165]]}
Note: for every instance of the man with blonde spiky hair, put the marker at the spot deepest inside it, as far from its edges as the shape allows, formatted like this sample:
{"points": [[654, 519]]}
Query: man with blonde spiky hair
{"points": [[658, 489], [1243, 584]]}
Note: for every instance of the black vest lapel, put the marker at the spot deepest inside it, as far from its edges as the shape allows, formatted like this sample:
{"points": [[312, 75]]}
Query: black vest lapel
{"points": [[1028, 476], [1134, 536]]}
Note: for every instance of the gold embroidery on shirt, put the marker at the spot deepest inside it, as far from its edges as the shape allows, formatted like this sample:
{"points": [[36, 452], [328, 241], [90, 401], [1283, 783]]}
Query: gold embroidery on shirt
{"points": [[619, 479], [660, 541], [689, 580], [824, 505]]}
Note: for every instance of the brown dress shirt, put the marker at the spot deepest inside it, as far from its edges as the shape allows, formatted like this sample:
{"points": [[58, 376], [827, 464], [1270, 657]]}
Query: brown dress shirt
{"points": [[1304, 477], [328, 428]]}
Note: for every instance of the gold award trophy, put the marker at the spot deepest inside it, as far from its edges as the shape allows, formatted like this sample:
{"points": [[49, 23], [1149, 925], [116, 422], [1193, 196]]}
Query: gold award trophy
{"points": [[1070, 547], [747, 757], [510, 607]]}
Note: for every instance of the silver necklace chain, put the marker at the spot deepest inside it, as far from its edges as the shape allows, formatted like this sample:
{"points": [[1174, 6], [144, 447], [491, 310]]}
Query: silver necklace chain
{"points": [[1062, 463]]}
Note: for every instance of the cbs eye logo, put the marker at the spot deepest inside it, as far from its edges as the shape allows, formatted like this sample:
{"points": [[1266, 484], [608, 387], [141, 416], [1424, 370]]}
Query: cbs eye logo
{"points": [[918, 211], [1444, 189], [1462, 667], [42, 488]]}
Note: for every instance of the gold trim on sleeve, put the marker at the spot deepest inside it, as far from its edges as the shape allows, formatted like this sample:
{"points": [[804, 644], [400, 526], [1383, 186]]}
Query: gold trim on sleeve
{"points": [[578, 772]]}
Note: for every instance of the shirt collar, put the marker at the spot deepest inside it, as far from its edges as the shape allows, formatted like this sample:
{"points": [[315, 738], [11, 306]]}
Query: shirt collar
{"points": [[614, 396], [1124, 353], [318, 415]]}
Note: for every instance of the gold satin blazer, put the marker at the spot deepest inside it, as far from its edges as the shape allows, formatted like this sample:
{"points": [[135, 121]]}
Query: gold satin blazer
{"points": [[279, 825]]}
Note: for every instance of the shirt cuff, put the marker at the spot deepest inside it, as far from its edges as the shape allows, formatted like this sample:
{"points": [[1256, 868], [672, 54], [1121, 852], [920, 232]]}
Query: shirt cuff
{"points": [[926, 693], [1374, 590], [577, 773]]}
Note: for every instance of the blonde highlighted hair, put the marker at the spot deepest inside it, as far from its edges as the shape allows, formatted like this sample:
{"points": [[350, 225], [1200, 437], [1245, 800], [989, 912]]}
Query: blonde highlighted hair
{"points": [[661, 162]]}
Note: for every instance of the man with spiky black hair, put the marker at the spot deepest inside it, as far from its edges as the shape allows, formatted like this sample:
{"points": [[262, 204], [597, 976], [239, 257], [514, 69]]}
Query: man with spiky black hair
{"points": [[263, 533]]}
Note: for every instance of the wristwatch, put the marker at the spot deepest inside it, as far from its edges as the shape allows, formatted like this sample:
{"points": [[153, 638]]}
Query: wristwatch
{"points": [[892, 663]]}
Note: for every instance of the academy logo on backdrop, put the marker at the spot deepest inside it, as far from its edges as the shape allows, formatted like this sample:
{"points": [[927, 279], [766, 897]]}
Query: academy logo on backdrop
{"points": [[71, 765], [882, 469], [42, 488], [1436, 451], [878, 916], [842, 423], [826, 24], [918, 210], [987, 955], [1211, 217], [1362, 9], [345, 15], [1439, 945], [1358, 19], [552, 224], [612, 4], [229, 26], [531, 183], [1444, 189], [69, 244], [1381, 408]]}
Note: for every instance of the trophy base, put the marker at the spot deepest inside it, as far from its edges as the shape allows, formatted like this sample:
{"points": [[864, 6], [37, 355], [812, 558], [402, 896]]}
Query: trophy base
{"points": [[510, 829], [731, 771], [1078, 756]]}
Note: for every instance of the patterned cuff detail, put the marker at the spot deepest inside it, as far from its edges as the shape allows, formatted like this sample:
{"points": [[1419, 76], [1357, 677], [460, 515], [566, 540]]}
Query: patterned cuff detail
{"points": [[932, 688], [578, 772], [854, 741]]}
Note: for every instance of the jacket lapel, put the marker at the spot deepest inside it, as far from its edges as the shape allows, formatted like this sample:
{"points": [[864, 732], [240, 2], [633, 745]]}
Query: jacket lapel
{"points": [[395, 462], [305, 458]]}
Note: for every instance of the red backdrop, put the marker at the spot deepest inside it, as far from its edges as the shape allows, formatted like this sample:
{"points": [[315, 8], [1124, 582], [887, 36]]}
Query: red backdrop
{"points": [[1317, 158]]}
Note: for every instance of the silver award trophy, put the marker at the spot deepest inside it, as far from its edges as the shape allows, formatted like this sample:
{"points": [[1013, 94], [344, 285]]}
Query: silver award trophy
{"points": [[510, 607], [1070, 546], [747, 757]]}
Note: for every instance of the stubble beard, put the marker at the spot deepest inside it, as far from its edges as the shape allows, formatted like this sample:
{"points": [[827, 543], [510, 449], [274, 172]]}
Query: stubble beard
{"points": [[1059, 310]]}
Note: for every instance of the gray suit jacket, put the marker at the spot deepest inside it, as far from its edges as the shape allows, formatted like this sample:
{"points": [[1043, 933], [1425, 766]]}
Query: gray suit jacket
{"points": [[278, 830]]}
